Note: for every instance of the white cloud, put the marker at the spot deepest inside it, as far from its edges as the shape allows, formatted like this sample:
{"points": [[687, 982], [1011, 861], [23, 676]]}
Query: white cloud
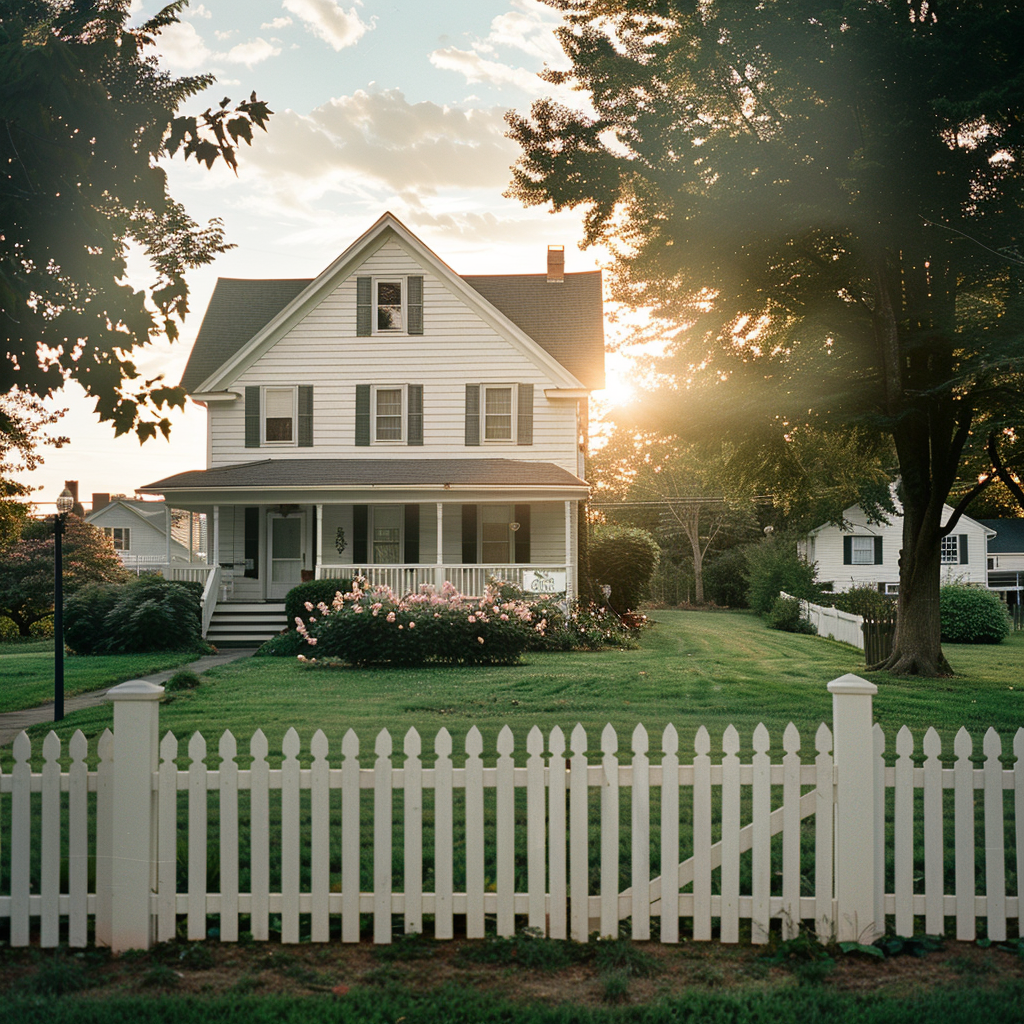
{"points": [[182, 48], [225, 34], [475, 69], [252, 52], [196, 12], [328, 20], [277, 23]]}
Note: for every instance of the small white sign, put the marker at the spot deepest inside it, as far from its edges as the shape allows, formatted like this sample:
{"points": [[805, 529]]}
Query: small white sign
{"points": [[540, 581]]}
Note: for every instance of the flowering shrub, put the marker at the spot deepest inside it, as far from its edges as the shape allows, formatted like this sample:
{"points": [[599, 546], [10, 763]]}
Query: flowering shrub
{"points": [[365, 627]]}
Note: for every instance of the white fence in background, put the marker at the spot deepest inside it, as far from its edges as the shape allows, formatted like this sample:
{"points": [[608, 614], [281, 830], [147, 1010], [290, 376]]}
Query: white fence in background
{"points": [[833, 623], [846, 863]]}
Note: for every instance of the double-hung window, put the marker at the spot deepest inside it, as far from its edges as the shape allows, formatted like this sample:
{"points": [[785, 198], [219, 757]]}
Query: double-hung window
{"points": [[498, 410], [389, 305], [949, 548], [279, 414], [863, 550], [388, 414], [120, 536]]}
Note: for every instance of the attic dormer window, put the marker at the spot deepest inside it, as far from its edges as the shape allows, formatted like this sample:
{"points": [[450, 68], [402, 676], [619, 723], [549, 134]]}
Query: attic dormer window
{"points": [[389, 305]]}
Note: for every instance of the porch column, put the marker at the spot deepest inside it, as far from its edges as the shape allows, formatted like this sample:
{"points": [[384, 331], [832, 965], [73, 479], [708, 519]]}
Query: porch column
{"points": [[215, 547], [570, 583], [439, 571], [167, 510], [317, 556]]}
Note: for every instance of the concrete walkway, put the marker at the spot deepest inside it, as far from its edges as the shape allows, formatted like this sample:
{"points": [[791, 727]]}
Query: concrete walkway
{"points": [[13, 722]]}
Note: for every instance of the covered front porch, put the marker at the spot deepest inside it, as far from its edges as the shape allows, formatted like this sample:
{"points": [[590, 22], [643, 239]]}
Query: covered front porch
{"points": [[399, 523]]}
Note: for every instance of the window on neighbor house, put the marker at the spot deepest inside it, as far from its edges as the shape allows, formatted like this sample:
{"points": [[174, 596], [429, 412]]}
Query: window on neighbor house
{"points": [[389, 414], [498, 408], [389, 303], [949, 549], [121, 536], [863, 549], [279, 415]]}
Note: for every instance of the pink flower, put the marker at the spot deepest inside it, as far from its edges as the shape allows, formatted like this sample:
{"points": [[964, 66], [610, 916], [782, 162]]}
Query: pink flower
{"points": [[309, 606], [311, 619], [472, 618], [391, 616], [298, 620], [411, 624], [504, 617], [401, 626], [311, 640], [479, 639]]}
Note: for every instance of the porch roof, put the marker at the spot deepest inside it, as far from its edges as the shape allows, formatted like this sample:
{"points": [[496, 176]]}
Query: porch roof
{"points": [[333, 479]]}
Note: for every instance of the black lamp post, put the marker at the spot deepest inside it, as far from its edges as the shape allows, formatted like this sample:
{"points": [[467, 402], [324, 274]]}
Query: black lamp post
{"points": [[64, 506]]}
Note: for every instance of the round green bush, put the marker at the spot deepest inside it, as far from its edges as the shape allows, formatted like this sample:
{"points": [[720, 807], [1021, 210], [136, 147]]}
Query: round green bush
{"points": [[784, 614], [314, 592], [971, 615], [624, 558], [85, 612], [773, 566], [868, 602], [725, 578]]}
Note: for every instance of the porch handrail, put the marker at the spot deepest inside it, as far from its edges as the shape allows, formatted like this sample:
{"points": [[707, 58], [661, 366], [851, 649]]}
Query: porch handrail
{"points": [[467, 577], [209, 599]]}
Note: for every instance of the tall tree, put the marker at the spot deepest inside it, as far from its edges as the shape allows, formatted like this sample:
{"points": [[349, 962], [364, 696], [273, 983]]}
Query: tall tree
{"points": [[86, 116], [825, 198]]}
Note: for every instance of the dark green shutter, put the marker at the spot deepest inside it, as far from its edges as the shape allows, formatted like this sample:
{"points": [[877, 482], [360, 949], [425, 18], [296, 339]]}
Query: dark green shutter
{"points": [[524, 429], [522, 535], [469, 534], [414, 301], [412, 534], [252, 417], [847, 551], [305, 415], [963, 548], [364, 307], [878, 551], [472, 414], [251, 547], [360, 525], [363, 414], [414, 428]]}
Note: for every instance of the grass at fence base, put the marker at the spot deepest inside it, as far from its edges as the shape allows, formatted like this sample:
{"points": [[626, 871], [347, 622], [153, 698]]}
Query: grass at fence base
{"points": [[26, 671], [208, 983]]}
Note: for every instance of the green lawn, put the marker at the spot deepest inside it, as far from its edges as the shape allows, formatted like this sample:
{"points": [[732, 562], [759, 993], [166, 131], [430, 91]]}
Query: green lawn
{"points": [[26, 672], [693, 668]]}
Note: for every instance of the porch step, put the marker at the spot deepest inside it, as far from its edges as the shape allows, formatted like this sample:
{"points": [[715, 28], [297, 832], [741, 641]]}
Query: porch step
{"points": [[246, 625]]}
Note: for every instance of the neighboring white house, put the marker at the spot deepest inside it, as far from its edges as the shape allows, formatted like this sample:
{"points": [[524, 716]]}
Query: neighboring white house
{"points": [[394, 419], [141, 531], [1006, 558], [867, 554]]}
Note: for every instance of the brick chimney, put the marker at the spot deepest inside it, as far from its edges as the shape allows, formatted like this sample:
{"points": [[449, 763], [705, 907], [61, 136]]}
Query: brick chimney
{"points": [[556, 264], [99, 501], [77, 508]]}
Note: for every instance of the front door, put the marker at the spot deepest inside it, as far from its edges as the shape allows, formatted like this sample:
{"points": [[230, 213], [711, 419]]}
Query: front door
{"points": [[285, 556]]}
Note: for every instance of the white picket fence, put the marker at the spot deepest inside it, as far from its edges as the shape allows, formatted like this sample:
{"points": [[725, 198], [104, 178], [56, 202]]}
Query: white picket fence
{"points": [[856, 814], [833, 623]]}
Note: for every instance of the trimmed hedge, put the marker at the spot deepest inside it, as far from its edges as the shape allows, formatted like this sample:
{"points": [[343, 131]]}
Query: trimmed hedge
{"points": [[784, 614], [147, 614], [314, 592], [867, 602], [971, 615]]}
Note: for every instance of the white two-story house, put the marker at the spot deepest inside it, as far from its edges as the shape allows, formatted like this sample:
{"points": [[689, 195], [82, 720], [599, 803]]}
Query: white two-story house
{"points": [[394, 420]]}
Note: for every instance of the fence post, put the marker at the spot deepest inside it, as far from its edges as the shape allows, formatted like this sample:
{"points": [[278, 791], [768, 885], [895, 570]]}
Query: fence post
{"points": [[855, 879], [136, 723]]}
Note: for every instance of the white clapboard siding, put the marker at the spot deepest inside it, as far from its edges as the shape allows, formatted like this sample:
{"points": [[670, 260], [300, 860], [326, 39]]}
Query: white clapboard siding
{"points": [[529, 821]]}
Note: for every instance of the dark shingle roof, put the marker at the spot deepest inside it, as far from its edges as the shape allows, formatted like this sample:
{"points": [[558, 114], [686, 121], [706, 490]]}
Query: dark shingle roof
{"points": [[238, 309], [1009, 538], [343, 473], [566, 320]]}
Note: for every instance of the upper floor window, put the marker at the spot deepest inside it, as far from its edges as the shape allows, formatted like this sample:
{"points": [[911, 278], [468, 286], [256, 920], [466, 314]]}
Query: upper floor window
{"points": [[389, 305], [389, 414], [863, 550], [499, 408], [279, 415], [121, 536]]}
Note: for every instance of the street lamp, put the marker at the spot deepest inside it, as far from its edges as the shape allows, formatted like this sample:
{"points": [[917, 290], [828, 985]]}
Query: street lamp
{"points": [[64, 505]]}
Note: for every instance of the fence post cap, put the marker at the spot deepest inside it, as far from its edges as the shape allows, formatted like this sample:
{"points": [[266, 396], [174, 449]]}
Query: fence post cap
{"points": [[135, 689], [852, 684]]}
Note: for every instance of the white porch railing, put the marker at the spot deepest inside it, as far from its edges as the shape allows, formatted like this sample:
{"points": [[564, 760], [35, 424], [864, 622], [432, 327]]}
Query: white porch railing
{"points": [[195, 572], [467, 579]]}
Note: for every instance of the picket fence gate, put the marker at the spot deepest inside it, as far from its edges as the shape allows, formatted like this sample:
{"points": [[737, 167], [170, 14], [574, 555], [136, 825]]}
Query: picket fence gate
{"points": [[134, 795]]}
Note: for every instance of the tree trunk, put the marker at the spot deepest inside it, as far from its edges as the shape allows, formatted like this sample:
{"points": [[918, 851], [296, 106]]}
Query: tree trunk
{"points": [[917, 646]]}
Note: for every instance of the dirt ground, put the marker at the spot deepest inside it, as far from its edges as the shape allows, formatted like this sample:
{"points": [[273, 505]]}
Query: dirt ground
{"points": [[536, 970]]}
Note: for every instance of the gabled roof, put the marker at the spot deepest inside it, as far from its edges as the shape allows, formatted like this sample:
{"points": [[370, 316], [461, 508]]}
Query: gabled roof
{"points": [[153, 513], [1009, 538], [562, 323]]}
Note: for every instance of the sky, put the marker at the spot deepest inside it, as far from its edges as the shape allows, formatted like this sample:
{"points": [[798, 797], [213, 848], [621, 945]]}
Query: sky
{"points": [[383, 105]]}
